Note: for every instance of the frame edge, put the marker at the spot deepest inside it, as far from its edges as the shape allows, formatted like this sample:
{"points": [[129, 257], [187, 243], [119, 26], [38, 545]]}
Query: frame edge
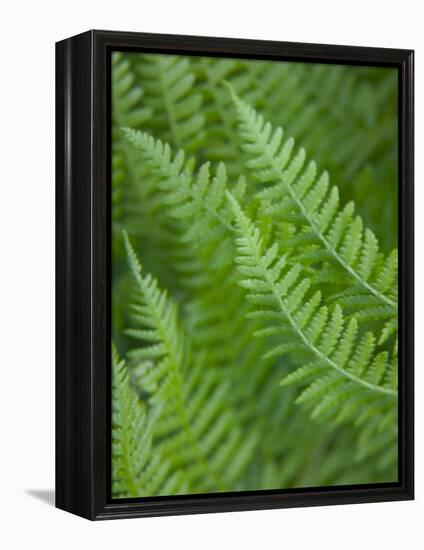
{"points": [[74, 389], [80, 180]]}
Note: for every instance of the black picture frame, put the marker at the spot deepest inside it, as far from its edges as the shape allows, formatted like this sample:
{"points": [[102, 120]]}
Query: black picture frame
{"points": [[83, 274]]}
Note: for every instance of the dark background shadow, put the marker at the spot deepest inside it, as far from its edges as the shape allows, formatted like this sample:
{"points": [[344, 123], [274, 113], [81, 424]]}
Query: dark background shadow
{"points": [[45, 495]]}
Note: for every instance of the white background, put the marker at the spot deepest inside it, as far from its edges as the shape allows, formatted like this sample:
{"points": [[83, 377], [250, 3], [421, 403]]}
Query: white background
{"points": [[28, 32]]}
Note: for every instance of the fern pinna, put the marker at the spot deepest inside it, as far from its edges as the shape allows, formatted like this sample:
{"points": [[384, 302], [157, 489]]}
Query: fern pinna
{"points": [[260, 336]]}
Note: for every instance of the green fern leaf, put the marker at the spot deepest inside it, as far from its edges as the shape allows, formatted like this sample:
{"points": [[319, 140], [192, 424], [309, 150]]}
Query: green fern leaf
{"points": [[182, 426], [338, 234], [136, 471], [269, 286]]}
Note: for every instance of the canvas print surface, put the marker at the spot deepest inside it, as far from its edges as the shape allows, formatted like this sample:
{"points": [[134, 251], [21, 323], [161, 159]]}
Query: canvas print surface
{"points": [[254, 275]]}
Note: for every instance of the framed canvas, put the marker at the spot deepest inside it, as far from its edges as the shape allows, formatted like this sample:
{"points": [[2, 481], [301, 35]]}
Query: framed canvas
{"points": [[234, 229]]}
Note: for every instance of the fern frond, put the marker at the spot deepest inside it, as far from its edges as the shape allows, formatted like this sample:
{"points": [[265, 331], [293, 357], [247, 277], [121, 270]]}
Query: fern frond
{"points": [[197, 201], [177, 179], [136, 470], [345, 377], [312, 101], [209, 220], [278, 287], [335, 233], [190, 432]]}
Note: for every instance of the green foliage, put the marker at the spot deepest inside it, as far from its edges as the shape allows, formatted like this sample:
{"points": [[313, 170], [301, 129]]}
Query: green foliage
{"points": [[270, 360], [322, 234], [197, 436], [135, 469]]}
